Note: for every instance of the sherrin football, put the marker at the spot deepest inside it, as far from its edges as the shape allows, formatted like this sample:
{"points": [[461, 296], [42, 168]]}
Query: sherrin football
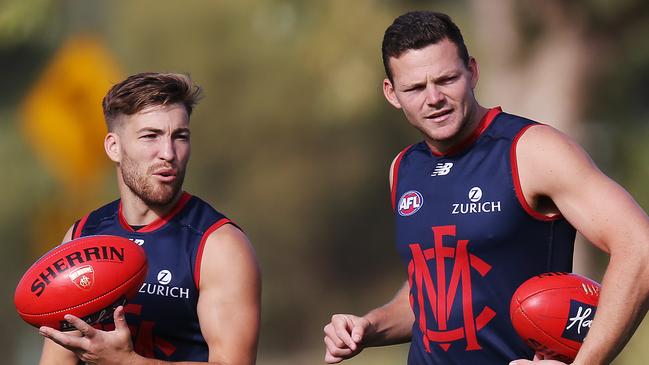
{"points": [[552, 312], [87, 277]]}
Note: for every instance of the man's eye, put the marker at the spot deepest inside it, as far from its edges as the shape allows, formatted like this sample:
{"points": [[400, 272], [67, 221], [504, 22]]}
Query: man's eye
{"points": [[448, 80], [414, 88]]}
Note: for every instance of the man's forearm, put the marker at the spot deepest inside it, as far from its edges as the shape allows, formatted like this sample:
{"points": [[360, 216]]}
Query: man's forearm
{"points": [[391, 323], [622, 306]]}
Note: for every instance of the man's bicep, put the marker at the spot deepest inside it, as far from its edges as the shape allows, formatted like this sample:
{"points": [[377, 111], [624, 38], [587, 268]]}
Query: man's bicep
{"points": [[229, 297], [604, 213], [554, 166]]}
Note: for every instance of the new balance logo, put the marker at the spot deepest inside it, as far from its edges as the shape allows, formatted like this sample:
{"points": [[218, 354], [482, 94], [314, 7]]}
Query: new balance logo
{"points": [[442, 169]]}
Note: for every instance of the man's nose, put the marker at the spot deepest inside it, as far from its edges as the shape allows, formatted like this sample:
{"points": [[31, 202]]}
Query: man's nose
{"points": [[167, 150], [434, 95]]}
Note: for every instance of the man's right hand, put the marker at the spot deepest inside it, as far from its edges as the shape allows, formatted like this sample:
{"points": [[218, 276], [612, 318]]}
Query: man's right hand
{"points": [[344, 337]]}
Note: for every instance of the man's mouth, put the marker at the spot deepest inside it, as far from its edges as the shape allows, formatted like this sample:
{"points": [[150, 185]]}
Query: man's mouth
{"points": [[165, 174], [439, 115]]}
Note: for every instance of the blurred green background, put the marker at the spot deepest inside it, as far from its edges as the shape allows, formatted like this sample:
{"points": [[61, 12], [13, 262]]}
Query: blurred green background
{"points": [[293, 139]]}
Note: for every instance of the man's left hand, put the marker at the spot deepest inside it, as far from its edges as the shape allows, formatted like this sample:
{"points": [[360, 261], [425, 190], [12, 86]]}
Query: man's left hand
{"points": [[96, 347], [538, 360]]}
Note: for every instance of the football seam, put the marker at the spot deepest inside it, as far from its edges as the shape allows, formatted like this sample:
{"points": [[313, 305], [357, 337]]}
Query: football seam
{"points": [[539, 328], [544, 290], [87, 302], [576, 285]]}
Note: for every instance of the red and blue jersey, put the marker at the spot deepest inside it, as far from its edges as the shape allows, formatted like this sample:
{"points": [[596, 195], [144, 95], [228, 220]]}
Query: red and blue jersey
{"points": [[162, 317], [468, 239]]}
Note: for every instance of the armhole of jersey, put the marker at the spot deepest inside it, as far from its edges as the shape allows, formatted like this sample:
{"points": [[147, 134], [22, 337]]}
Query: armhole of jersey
{"points": [[395, 177], [517, 182], [78, 226], [199, 253]]}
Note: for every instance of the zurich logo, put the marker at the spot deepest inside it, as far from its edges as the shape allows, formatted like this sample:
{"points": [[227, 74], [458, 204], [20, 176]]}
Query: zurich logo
{"points": [[164, 277], [475, 194], [410, 202]]}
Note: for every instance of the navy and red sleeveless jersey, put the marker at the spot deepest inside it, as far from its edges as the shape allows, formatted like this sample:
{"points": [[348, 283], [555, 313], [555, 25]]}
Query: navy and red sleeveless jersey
{"points": [[162, 317], [468, 240]]}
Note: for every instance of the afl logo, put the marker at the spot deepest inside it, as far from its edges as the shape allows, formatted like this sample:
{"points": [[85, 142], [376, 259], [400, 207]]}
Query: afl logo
{"points": [[410, 202]]}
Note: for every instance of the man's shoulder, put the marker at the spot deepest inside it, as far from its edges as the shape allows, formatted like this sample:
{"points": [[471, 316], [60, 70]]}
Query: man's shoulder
{"points": [[200, 214], [509, 124], [409, 150], [196, 203], [107, 210], [94, 218]]}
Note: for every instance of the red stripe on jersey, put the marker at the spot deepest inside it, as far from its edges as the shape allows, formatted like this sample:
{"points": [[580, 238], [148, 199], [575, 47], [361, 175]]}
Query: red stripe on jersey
{"points": [[79, 227], [485, 122], [395, 176], [199, 254], [517, 182], [158, 223]]}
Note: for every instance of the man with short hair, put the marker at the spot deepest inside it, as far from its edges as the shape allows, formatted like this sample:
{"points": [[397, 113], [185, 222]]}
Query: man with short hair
{"points": [[486, 201], [211, 310]]}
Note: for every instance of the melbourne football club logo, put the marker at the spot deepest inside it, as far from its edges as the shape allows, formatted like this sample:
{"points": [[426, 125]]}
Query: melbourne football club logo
{"points": [[437, 293], [410, 202], [83, 277]]}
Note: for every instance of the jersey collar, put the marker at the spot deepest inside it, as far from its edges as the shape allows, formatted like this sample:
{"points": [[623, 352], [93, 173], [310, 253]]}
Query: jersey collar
{"points": [[158, 223], [485, 122]]}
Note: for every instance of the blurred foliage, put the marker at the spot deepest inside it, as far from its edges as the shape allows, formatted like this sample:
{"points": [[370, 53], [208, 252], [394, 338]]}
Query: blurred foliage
{"points": [[293, 139], [20, 20]]}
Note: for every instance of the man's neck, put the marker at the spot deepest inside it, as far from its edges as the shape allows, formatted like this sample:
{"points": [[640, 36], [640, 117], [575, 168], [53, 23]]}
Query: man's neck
{"points": [[138, 213]]}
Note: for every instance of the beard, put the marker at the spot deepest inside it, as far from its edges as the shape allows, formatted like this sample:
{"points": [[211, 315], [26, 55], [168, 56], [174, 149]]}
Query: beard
{"points": [[151, 192]]}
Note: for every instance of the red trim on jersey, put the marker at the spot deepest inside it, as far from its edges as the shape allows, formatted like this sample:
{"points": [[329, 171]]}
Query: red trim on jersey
{"points": [[184, 198], [395, 177], [199, 254], [485, 122], [79, 227], [517, 182], [165, 346], [122, 221], [135, 309]]}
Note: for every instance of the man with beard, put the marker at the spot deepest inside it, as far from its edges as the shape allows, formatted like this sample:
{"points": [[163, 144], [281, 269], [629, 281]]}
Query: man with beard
{"points": [[201, 299]]}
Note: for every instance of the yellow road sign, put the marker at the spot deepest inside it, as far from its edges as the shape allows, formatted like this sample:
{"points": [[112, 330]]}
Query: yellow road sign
{"points": [[63, 119]]}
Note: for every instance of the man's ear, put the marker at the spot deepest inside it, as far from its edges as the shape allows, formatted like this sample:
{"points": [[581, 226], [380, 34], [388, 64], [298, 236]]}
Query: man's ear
{"points": [[112, 147], [388, 92], [475, 73]]}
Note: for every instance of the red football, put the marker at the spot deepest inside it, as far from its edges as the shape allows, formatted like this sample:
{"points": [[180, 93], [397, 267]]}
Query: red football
{"points": [[87, 277], [552, 312]]}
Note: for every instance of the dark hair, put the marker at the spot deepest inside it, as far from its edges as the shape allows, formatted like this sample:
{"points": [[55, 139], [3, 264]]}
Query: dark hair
{"points": [[416, 30], [147, 89]]}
